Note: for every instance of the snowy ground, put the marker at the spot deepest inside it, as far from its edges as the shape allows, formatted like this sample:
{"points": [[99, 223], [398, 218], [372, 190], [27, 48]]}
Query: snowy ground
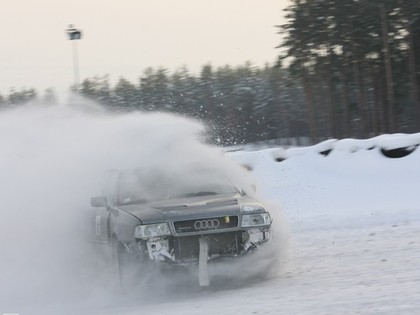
{"points": [[354, 244], [342, 271], [355, 219], [352, 219]]}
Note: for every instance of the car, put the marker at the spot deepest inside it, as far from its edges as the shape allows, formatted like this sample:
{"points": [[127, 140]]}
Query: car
{"points": [[194, 217]]}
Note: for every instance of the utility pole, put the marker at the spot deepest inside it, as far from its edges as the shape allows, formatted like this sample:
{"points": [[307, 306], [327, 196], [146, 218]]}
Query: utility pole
{"points": [[74, 35]]}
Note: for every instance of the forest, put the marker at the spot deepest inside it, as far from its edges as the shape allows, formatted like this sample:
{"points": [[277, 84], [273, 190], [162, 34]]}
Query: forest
{"points": [[345, 68]]}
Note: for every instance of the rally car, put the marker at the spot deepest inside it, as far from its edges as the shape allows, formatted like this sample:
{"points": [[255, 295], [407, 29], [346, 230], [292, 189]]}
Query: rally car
{"points": [[151, 217]]}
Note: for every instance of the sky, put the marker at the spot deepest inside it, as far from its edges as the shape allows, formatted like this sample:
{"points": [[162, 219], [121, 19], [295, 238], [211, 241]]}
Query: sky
{"points": [[123, 38]]}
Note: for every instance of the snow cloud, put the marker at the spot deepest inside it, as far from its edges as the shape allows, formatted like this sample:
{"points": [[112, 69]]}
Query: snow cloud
{"points": [[52, 160]]}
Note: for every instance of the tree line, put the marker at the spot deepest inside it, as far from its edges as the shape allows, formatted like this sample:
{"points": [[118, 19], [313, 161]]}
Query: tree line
{"points": [[358, 62], [27, 95], [346, 68], [239, 104]]}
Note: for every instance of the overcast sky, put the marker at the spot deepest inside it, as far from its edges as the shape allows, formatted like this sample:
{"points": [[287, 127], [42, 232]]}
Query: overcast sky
{"points": [[122, 38]]}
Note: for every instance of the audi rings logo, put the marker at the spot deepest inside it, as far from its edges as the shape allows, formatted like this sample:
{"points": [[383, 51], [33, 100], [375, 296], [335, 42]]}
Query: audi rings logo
{"points": [[206, 224]]}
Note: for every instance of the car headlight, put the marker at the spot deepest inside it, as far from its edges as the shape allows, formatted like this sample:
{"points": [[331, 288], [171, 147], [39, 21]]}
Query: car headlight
{"points": [[256, 219], [152, 230]]}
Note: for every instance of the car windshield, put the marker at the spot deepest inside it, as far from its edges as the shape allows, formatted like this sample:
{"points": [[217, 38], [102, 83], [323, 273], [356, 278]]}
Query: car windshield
{"points": [[139, 185]]}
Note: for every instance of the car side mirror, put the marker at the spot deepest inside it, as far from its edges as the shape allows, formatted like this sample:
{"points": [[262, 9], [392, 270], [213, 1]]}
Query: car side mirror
{"points": [[99, 202]]}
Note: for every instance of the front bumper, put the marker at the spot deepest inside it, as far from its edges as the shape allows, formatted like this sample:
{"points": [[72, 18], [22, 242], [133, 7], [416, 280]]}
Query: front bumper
{"points": [[183, 250]]}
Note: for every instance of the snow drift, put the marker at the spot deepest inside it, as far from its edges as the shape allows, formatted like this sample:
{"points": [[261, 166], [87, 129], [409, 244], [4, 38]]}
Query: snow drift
{"points": [[338, 179]]}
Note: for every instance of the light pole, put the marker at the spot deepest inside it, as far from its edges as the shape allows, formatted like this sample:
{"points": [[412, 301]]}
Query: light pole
{"points": [[74, 35]]}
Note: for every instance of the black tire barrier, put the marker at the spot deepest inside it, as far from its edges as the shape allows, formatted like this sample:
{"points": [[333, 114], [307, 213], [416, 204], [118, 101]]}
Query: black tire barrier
{"points": [[399, 152]]}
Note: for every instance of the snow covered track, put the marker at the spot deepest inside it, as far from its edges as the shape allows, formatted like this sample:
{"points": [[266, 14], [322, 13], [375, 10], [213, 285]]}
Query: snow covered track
{"points": [[355, 219], [354, 249], [369, 270]]}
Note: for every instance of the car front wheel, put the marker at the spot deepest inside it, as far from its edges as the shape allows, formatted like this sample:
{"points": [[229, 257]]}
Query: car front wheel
{"points": [[128, 265]]}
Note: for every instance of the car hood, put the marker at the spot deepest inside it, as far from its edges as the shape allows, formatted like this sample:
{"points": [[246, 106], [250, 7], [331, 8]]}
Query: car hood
{"points": [[185, 208]]}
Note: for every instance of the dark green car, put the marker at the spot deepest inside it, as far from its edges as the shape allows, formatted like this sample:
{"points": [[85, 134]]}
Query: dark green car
{"points": [[150, 217]]}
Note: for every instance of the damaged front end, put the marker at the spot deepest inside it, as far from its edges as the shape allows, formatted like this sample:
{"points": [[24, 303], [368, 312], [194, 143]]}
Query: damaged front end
{"points": [[185, 249], [202, 240]]}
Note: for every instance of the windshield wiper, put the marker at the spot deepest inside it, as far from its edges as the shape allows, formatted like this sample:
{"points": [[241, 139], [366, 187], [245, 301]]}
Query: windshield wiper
{"points": [[197, 194], [133, 202]]}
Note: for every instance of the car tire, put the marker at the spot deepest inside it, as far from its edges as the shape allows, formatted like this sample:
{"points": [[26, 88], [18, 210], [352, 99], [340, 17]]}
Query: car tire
{"points": [[128, 266]]}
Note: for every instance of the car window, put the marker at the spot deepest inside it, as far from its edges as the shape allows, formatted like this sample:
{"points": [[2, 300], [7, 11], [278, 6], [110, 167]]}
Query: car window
{"points": [[137, 186]]}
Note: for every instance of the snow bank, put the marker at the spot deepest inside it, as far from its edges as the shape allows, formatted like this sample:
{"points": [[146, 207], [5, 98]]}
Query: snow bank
{"points": [[340, 179], [383, 142]]}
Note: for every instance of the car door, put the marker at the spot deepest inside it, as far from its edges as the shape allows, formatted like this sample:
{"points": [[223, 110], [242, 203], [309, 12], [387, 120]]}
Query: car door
{"points": [[100, 215]]}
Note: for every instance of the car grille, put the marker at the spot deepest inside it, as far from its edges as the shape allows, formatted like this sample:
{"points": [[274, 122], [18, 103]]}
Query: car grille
{"points": [[222, 244], [206, 224]]}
